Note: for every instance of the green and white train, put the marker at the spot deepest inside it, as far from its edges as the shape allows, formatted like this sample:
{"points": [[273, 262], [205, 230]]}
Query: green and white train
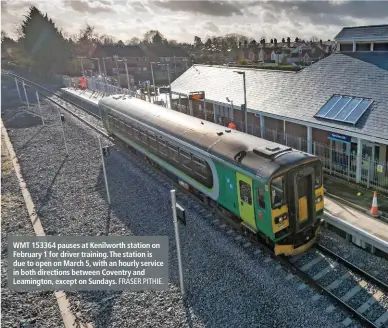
{"points": [[274, 192]]}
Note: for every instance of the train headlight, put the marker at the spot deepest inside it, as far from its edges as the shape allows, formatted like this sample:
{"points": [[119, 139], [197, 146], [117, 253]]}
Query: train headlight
{"points": [[280, 219], [318, 199]]}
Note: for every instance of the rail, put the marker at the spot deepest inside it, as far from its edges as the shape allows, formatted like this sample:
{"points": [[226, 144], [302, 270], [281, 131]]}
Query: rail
{"points": [[49, 95]]}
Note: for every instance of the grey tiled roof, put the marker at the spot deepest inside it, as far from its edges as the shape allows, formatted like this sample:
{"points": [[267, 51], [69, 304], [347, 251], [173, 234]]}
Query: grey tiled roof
{"points": [[299, 95], [363, 32]]}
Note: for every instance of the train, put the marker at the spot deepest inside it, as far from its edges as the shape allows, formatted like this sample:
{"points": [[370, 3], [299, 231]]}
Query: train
{"points": [[274, 193]]}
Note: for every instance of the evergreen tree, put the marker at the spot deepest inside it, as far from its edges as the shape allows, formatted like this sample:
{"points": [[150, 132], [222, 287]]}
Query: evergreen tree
{"points": [[47, 48]]}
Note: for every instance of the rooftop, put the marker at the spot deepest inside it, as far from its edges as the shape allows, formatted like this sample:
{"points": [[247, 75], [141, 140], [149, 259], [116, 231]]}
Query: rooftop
{"points": [[162, 50], [121, 51], [300, 95], [370, 33]]}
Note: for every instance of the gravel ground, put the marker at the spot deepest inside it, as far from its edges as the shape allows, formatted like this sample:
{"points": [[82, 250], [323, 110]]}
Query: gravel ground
{"points": [[227, 286], [374, 265], [37, 308]]}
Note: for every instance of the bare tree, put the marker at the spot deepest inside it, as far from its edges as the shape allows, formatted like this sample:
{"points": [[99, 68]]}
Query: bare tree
{"points": [[133, 41]]}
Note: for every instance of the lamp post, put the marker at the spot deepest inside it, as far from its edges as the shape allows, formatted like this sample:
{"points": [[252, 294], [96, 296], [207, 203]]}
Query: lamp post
{"points": [[231, 102], [118, 73], [245, 100], [99, 68], [126, 68], [82, 65], [153, 78], [126, 71], [105, 75]]}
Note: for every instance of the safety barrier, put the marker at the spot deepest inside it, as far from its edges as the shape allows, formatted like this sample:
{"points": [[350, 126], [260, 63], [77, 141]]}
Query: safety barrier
{"points": [[96, 86]]}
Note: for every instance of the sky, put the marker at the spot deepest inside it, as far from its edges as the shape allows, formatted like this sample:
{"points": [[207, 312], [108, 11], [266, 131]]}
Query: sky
{"points": [[182, 20]]}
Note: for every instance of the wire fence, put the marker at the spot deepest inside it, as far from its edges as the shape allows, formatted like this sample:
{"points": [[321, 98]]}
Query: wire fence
{"points": [[96, 85]]}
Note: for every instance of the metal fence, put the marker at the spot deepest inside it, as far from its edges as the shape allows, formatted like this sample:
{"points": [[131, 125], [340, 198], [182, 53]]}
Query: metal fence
{"points": [[374, 173], [96, 85]]}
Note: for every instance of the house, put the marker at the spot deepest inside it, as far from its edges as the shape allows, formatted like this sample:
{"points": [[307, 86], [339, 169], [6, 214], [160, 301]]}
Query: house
{"points": [[168, 60], [291, 108], [363, 38], [137, 61]]}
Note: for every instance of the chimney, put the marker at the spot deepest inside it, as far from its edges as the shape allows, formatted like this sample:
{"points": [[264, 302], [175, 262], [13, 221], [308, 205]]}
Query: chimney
{"points": [[320, 42], [275, 42], [288, 42], [271, 41]]}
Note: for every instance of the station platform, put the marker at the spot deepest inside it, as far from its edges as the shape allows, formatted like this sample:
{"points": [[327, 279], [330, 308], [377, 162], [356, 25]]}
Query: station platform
{"points": [[361, 228], [85, 95], [355, 195]]}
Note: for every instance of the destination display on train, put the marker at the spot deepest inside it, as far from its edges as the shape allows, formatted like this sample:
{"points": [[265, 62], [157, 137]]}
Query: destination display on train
{"points": [[88, 263]]}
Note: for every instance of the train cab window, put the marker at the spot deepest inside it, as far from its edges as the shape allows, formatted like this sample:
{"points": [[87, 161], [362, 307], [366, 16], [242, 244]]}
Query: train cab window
{"points": [[277, 192], [318, 177], [173, 152], [162, 146], [260, 198], [245, 192]]}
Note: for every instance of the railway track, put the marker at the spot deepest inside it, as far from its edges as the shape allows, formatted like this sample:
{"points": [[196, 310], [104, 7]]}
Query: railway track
{"points": [[333, 271], [352, 288], [88, 117]]}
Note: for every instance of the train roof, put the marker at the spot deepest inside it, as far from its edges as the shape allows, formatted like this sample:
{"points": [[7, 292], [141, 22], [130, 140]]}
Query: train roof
{"points": [[259, 156]]}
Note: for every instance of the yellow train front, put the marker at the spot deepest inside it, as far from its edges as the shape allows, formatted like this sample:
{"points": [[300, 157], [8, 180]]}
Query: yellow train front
{"points": [[297, 202]]}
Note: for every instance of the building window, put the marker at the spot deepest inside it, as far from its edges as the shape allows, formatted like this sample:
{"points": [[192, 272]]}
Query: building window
{"points": [[346, 47], [362, 46], [380, 46]]}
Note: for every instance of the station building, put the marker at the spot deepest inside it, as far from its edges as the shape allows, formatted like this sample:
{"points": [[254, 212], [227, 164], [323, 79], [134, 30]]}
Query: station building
{"points": [[336, 108]]}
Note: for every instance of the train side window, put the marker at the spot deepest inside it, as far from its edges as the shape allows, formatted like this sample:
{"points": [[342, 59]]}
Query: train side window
{"points": [[143, 136], [277, 192], [136, 133], [152, 141], [318, 176], [260, 197], [129, 128], [245, 192], [162, 146], [173, 152], [200, 164], [185, 158]]}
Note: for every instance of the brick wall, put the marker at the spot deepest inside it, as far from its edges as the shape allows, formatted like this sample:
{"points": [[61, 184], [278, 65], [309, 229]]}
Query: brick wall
{"points": [[296, 130], [320, 136]]}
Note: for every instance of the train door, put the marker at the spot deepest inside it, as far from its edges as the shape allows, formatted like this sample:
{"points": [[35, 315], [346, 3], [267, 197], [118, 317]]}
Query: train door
{"points": [[245, 199], [302, 197]]}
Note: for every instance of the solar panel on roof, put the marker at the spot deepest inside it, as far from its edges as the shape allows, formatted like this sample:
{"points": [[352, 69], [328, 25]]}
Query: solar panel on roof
{"points": [[344, 109]]}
